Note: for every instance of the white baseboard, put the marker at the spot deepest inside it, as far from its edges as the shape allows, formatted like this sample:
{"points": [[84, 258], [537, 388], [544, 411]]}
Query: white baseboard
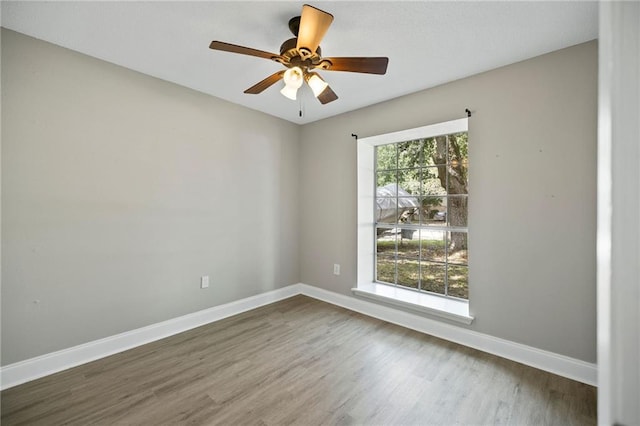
{"points": [[544, 360], [34, 368]]}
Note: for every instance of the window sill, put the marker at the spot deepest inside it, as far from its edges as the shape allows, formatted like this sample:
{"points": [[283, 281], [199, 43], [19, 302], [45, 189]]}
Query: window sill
{"points": [[451, 309]]}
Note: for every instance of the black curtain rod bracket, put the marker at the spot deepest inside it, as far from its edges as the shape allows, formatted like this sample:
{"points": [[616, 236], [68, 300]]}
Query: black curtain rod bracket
{"points": [[353, 135], [468, 112]]}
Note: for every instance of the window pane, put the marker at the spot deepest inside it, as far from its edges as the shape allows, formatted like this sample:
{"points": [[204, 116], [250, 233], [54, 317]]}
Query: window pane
{"points": [[386, 157], [457, 179], [435, 151], [386, 241], [410, 154], [408, 273], [386, 210], [386, 183], [458, 281], [433, 245], [385, 269], [430, 181], [408, 210], [458, 146], [433, 211], [458, 212], [432, 277], [458, 248], [409, 182], [409, 243]]}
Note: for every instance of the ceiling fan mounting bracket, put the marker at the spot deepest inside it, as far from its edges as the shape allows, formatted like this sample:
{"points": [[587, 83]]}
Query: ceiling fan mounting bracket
{"points": [[294, 25]]}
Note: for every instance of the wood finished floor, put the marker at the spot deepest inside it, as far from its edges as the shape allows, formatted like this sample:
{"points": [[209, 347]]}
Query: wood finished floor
{"points": [[301, 361]]}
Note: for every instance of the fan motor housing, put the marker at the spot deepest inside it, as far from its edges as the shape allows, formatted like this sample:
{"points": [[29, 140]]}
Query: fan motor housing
{"points": [[291, 56]]}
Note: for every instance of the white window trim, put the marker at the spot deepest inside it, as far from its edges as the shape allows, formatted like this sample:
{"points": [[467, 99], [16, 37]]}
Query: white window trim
{"points": [[444, 307]]}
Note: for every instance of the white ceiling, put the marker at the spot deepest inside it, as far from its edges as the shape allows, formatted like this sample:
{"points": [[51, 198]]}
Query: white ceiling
{"points": [[428, 43]]}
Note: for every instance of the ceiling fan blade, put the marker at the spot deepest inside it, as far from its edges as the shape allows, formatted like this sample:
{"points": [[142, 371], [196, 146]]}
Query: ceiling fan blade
{"points": [[264, 84], [363, 65], [314, 24], [327, 96], [233, 48]]}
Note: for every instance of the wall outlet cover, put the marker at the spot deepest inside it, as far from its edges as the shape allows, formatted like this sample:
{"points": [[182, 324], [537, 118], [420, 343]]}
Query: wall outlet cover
{"points": [[204, 281]]}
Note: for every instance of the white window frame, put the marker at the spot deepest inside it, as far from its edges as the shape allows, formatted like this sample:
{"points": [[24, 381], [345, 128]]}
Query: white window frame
{"points": [[444, 307]]}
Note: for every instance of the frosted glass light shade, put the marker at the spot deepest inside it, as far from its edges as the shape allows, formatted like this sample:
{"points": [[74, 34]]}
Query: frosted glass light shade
{"points": [[317, 84], [289, 92], [293, 77]]}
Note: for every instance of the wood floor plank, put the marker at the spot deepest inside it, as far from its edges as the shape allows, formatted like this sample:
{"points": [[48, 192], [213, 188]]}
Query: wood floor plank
{"points": [[301, 361]]}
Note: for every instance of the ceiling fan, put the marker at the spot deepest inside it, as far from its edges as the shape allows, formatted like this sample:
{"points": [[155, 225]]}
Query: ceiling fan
{"points": [[301, 55]]}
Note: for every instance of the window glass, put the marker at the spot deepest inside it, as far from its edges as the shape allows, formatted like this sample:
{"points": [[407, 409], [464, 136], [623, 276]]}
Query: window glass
{"points": [[422, 214]]}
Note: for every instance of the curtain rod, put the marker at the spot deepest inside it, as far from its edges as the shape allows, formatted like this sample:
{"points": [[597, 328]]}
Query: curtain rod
{"points": [[467, 110]]}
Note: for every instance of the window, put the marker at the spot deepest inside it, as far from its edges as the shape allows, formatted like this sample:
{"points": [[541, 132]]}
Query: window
{"points": [[412, 219], [421, 214]]}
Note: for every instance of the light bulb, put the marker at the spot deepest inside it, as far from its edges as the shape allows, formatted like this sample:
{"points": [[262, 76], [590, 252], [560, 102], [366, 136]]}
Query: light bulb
{"points": [[293, 77], [289, 92], [316, 83]]}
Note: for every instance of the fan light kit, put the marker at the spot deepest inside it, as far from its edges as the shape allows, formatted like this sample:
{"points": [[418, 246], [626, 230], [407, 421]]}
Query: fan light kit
{"points": [[292, 82], [302, 54]]}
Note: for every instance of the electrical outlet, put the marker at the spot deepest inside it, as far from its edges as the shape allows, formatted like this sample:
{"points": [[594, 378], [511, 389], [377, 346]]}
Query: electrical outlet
{"points": [[336, 269], [204, 281]]}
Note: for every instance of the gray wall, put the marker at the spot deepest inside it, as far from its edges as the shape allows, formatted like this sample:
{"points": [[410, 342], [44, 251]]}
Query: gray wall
{"points": [[120, 190], [532, 207]]}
